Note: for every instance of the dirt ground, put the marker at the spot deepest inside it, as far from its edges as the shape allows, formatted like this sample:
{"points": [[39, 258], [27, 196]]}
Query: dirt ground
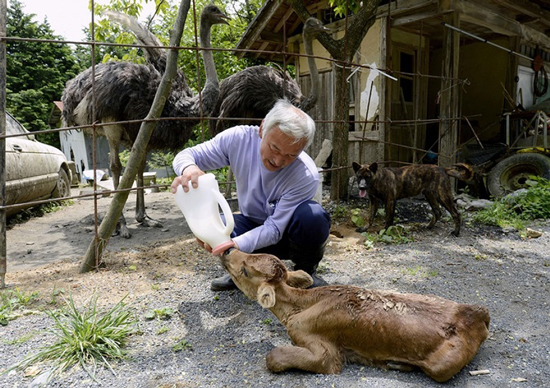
{"points": [[164, 267]]}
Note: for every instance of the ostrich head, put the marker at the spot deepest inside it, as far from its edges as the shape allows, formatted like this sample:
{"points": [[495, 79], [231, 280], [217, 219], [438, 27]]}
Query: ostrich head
{"points": [[312, 27], [210, 15]]}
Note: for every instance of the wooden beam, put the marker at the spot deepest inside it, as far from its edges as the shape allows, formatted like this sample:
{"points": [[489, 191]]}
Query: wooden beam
{"points": [[417, 17], [262, 48], [448, 133], [257, 26], [528, 8], [283, 20], [482, 16], [488, 18]]}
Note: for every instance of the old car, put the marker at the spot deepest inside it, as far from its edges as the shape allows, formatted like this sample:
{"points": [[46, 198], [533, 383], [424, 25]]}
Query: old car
{"points": [[34, 170]]}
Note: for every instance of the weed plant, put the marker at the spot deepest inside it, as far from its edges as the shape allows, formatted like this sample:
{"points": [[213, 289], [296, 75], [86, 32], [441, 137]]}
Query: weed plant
{"points": [[517, 208], [11, 301], [395, 234], [86, 338]]}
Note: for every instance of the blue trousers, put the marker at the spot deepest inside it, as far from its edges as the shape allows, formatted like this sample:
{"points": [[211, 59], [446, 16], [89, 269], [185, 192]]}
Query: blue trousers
{"points": [[309, 227]]}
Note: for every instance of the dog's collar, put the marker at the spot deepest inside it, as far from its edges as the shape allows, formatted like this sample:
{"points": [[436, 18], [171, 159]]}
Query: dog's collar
{"points": [[229, 250]]}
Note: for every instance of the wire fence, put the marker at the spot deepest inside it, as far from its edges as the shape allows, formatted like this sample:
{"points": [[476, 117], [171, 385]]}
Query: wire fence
{"points": [[391, 126]]}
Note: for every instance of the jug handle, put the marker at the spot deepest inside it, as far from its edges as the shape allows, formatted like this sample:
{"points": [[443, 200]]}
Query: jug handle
{"points": [[227, 213]]}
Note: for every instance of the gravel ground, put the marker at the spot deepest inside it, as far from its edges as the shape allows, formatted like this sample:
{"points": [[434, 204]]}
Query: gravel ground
{"points": [[229, 335]]}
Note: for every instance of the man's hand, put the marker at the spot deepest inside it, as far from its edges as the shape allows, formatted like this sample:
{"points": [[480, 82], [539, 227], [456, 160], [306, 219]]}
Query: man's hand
{"points": [[209, 248], [190, 173], [204, 245]]}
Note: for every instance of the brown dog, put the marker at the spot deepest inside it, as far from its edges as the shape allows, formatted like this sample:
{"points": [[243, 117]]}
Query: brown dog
{"points": [[388, 184], [332, 325]]}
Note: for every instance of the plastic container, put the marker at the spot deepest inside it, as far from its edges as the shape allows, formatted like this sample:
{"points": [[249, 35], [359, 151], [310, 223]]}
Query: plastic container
{"points": [[201, 209]]}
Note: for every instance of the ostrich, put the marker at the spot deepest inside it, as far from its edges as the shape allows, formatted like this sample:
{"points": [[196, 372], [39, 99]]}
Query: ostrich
{"points": [[252, 92], [249, 93], [125, 91]]}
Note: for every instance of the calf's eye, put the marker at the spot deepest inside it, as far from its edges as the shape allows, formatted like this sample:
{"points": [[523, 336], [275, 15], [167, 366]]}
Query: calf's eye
{"points": [[243, 271]]}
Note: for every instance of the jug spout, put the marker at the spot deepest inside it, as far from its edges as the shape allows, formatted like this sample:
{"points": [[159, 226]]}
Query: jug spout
{"points": [[201, 209]]}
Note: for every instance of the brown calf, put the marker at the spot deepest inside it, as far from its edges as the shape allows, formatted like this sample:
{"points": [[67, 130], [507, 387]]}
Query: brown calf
{"points": [[336, 324]]}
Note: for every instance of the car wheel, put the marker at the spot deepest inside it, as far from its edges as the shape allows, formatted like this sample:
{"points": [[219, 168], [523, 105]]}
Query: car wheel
{"points": [[63, 187], [512, 173]]}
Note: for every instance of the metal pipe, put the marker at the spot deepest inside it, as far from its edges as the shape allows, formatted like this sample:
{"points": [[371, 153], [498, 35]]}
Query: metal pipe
{"points": [[486, 41]]}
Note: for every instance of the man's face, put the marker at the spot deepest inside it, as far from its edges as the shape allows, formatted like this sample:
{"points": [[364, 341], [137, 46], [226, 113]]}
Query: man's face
{"points": [[278, 150]]}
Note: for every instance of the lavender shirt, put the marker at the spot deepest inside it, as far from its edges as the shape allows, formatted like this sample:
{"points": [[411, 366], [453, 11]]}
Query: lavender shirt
{"points": [[267, 198]]}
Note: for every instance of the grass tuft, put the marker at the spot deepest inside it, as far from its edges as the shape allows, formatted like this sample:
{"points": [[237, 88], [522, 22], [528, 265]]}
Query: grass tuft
{"points": [[86, 338]]}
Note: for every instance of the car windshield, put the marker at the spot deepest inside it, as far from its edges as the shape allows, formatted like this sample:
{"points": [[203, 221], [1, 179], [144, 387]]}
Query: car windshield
{"points": [[13, 127]]}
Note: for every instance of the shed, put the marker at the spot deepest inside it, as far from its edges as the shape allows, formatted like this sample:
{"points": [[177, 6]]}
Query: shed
{"points": [[457, 67]]}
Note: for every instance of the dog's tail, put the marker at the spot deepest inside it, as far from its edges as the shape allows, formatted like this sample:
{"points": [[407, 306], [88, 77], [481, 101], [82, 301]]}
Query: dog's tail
{"points": [[461, 171]]}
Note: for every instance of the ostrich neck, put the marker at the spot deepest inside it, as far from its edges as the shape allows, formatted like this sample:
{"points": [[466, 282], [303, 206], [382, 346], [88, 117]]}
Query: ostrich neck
{"points": [[208, 58], [314, 74]]}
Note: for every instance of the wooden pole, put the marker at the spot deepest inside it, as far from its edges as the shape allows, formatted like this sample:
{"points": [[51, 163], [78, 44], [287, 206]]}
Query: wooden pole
{"points": [[3, 250], [449, 92], [138, 152]]}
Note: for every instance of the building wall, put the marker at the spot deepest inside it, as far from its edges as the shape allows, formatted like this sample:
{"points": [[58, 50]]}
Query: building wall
{"points": [[362, 147], [482, 96]]}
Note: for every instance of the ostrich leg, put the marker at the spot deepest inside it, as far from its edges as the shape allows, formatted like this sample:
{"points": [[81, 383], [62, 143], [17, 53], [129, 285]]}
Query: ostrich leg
{"points": [[114, 136], [141, 215]]}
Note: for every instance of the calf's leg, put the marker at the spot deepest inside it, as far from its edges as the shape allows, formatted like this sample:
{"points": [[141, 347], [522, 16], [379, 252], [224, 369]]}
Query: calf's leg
{"points": [[320, 358]]}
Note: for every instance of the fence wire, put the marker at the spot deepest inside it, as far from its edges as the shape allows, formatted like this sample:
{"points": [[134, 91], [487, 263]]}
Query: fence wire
{"points": [[390, 125]]}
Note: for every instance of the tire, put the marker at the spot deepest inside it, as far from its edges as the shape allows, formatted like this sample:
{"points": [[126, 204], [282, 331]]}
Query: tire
{"points": [[63, 186], [511, 173]]}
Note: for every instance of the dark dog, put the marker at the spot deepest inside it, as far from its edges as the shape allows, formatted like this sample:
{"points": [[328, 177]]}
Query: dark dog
{"points": [[388, 184]]}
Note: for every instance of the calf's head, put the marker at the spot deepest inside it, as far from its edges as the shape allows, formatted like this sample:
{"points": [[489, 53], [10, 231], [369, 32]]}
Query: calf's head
{"points": [[259, 275]]}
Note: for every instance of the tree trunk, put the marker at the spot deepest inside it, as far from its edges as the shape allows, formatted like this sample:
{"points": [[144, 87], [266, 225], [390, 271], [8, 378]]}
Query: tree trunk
{"points": [[139, 150], [342, 50], [339, 177]]}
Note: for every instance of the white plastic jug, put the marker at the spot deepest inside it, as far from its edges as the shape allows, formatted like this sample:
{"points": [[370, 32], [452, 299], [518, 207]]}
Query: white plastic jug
{"points": [[200, 207]]}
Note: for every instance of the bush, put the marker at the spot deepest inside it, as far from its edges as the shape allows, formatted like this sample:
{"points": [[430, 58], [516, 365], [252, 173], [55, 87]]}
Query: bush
{"points": [[523, 205]]}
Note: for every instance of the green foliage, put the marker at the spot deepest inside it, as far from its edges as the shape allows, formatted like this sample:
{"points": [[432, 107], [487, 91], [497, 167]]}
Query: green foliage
{"points": [[21, 340], [11, 301], [523, 205], [341, 212], [182, 345], [189, 61], [345, 7], [36, 71], [38, 211], [395, 234], [84, 338], [357, 218], [124, 156], [159, 160], [160, 314], [418, 271]]}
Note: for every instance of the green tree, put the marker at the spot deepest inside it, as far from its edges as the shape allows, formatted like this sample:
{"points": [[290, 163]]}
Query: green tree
{"points": [[161, 23], [36, 71], [362, 17]]}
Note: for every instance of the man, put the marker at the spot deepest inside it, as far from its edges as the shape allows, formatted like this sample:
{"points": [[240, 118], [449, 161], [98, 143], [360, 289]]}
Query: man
{"points": [[275, 180]]}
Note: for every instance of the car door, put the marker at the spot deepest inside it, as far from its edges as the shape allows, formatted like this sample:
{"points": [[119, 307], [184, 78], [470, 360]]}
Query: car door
{"points": [[31, 171]]}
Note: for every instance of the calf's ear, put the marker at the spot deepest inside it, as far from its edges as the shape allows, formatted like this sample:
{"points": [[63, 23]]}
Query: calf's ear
{"points": [[299, 279], [266, 296]]}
